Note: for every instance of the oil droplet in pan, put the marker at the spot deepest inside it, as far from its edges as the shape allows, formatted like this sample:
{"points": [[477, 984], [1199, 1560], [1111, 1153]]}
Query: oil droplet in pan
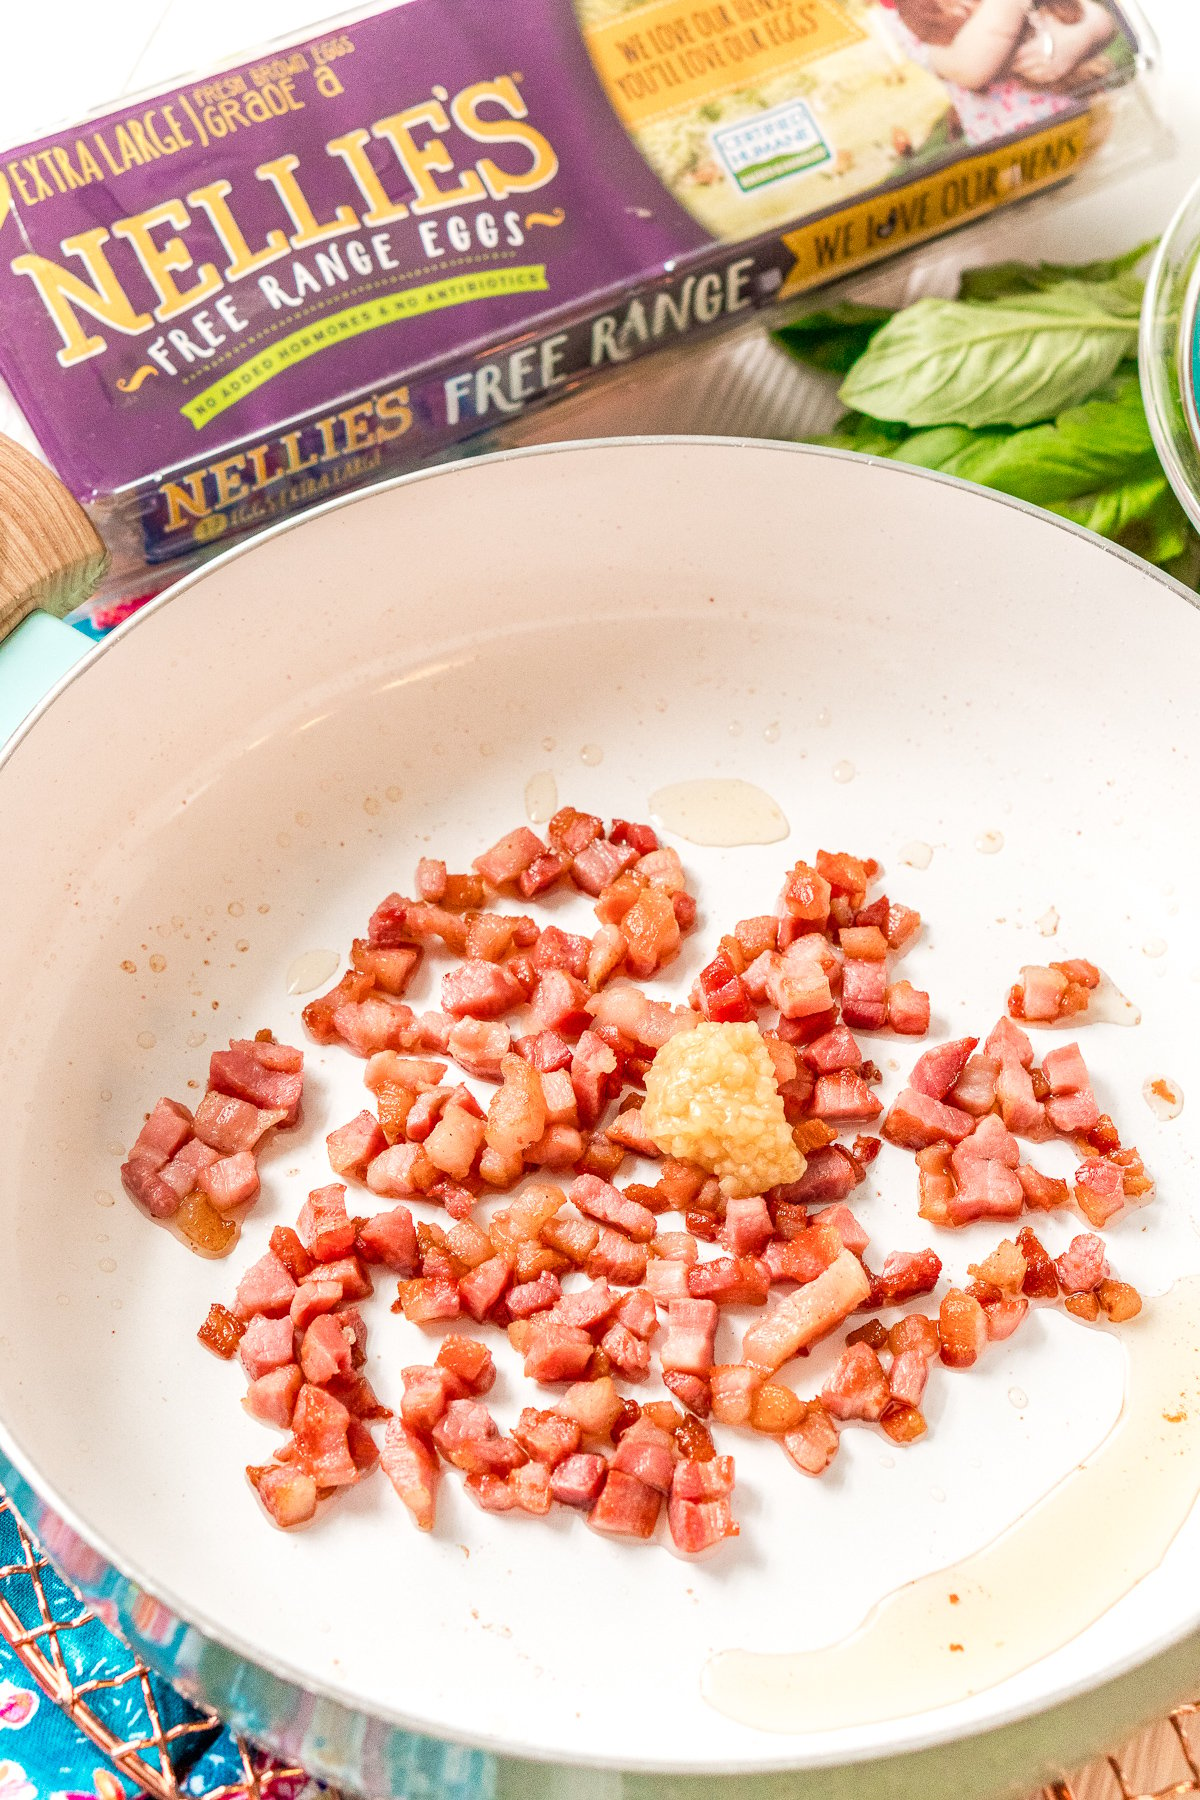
{"points": [[989, 842], [896, 1663], [725, 813], [917, 854], [1107, 1005], [311, 969], [541, 797], [844, 770], [1163, 1096], [591, 754], [1154, 947]]}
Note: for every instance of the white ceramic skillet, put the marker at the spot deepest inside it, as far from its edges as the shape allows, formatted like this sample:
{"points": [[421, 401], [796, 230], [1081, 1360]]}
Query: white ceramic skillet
{"points": [[240, 774]]}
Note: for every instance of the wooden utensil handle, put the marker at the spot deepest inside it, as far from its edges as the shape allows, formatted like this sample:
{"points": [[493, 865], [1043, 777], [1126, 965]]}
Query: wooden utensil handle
{"points": [[51, 555]]}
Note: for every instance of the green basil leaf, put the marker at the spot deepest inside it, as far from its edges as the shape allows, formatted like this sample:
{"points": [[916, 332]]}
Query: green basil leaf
{"points": [[1143, 515], [1095, 464], [1012, 361], [834, 337], [995, 280], [870, 437], [1088, 448]]}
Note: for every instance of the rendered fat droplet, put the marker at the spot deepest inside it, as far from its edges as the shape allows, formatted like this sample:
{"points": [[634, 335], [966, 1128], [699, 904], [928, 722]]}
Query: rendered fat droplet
{"points": [[1163, 1096], [719, 812], [541, 797], [896, 1664], [917, 854], [311, 969]]}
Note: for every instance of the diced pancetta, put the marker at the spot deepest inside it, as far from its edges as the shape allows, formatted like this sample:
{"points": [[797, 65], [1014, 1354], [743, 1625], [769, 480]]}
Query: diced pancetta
{"points": [[833, 1050], [163, 1135], [272, 1397], [805, 1315], [600, 1200], [916, 1121], [830, 1174], [1073, 1114], [907, 1377], [813, 1443], [147, 1188], [647, 1453], [230, 1181], [505, 861], [389, 1238], [844, 1097], [556, 1352], [1042, 992], [312, 1297], [578, 1479], [626, 1507], [547, 1437], [353, 1146], [399, 1171], [975, 1090], [587, 1307], [864, 994], [529, 1297], [907, 1009], [288, 1494], [320, 1425], [747, 1225], [732, 1388], [731, 1281], [962, 1328], [268, 1075], [326, 1350], [479, 1046], [858, 1387], [324, 1227], [229, 1125], [481, 1288], [480, 990], [1099, 1190], [939, 1069], [412, 1468], [691, 1331], [599, 863], [266, 1344], [1083, 1264], [266, 1287], [905, 1274]]}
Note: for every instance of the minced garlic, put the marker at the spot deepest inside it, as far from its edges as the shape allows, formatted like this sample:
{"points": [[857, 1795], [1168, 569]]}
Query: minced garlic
{"points": [[712, 1099]]}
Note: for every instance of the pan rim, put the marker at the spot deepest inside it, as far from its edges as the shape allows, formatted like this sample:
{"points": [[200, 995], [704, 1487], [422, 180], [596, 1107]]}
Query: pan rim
{"points": [[931, 1734]]}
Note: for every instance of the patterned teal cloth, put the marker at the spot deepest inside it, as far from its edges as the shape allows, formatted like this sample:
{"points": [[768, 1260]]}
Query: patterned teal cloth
{"points": [[43, 1754]]}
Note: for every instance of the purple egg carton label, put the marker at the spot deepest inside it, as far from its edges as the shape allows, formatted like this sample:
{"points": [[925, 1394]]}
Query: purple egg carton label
{"points": [[344, 256]]}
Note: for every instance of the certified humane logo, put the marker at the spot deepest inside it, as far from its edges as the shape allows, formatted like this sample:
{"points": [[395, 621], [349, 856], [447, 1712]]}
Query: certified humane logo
{"points": [[771, 146]]}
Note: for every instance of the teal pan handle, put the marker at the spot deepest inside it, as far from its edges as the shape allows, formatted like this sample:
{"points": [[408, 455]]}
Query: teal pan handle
{"points": [[33, 658]]}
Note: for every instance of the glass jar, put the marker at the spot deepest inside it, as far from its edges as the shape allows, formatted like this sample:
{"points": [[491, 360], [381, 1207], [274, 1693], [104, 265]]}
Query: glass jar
{"points": [[1169, 353]]}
